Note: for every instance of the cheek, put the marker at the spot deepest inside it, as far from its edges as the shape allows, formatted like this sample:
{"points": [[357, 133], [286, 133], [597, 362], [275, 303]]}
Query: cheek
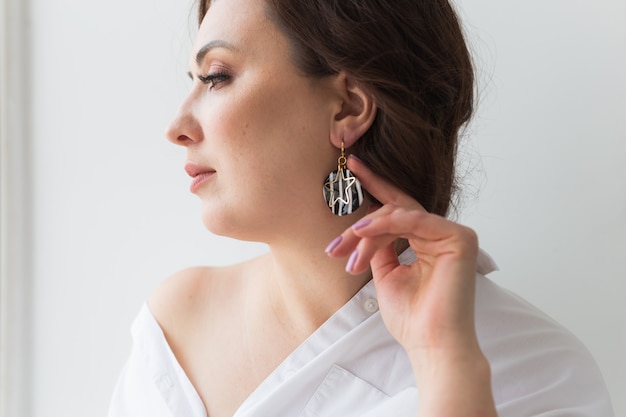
{"points": [[283, 106], [273, 137], [243, 119]]}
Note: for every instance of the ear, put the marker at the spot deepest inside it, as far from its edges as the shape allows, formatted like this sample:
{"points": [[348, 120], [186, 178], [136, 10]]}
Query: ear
{"points": [[355, 113]]}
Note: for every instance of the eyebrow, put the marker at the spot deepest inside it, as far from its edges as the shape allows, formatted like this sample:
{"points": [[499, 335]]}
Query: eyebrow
{"points": [[207, 47], [212, 45]]}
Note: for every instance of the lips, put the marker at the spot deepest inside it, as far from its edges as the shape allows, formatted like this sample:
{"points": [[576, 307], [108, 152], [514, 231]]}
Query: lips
{"points": [[193, 169], [199, 173]]}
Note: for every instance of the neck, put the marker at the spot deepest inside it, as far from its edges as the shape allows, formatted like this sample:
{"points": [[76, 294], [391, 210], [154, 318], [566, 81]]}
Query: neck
{"points": [[303, 286]]}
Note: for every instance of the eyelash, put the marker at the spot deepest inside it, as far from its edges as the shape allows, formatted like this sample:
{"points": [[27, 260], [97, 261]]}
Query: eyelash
{"points": [[214, 79]]}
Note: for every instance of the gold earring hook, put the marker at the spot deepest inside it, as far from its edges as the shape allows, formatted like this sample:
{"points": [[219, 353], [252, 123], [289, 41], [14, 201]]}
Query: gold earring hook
{"points": [[341, 161]]}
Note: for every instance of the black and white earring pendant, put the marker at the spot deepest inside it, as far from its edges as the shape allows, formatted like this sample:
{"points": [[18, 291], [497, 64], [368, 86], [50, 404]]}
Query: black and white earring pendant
{"points": [[342, 190]]}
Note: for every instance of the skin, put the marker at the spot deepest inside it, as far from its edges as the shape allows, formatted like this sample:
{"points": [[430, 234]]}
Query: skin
{"points": [[272, 135]]}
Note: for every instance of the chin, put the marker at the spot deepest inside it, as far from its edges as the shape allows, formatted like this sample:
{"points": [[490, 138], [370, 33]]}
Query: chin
{"points": [[217, 224], [226, 222]]}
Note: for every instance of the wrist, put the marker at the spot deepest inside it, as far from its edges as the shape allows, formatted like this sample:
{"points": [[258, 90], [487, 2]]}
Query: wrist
{"points": [[448, 364], [453, 383]]}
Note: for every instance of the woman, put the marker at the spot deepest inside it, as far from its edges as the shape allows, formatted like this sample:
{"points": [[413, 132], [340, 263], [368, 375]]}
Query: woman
{"points": [[328, 130]]}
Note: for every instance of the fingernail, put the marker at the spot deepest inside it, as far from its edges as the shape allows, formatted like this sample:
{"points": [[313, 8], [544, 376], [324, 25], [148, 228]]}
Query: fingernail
{"points": [[336, 241], [361, 223], [352, 261], [356, 158]]}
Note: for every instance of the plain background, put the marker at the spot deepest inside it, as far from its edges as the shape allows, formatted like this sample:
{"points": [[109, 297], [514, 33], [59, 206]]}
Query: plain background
{"points": [[543, 169]]}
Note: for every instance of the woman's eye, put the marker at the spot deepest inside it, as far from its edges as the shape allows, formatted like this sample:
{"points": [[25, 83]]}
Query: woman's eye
{"points": [[214, 80]]}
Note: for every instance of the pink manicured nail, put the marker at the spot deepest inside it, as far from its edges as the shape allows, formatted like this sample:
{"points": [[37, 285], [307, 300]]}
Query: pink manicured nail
{"points": [[352, 260], [361, 223], [336, 241]]}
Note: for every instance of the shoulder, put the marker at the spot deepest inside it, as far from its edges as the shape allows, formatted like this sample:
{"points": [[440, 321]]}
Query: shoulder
{"points": [[178, 299], [191, 296], [182, 290], [537, 365]]}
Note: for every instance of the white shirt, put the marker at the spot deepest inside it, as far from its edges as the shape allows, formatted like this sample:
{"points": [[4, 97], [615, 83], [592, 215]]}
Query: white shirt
{"points": [[352, 367]]}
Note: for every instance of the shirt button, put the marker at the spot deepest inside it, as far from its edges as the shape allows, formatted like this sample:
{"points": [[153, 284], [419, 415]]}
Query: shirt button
{"points": [[371, 305]]}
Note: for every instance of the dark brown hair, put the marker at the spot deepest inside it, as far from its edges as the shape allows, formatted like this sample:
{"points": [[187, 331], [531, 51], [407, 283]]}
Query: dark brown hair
{"points": [[412, 57]]}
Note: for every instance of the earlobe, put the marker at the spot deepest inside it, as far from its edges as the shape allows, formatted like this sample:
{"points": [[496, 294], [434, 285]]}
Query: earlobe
{"points": [[357, 113]]}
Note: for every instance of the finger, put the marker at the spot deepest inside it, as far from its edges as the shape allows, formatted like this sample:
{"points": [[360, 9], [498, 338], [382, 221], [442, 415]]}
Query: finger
{"points": [[384, 261], [380, 256], [361, 257], [379, 188], [413, 224], [342, 245], [346, 243]]}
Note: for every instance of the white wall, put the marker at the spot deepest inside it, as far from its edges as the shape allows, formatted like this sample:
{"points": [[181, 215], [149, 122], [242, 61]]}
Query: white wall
{"points": [[552, 141], [113, 217]]}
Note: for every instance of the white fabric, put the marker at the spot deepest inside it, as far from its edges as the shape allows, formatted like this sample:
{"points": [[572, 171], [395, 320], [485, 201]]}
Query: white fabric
{"points": [[352, 367]]}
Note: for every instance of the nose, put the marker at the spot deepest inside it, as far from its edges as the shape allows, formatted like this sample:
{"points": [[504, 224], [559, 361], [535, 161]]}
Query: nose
{"points": [[184, 129]]}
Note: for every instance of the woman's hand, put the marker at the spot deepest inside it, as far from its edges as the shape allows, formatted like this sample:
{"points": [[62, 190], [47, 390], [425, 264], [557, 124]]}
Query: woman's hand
{"points": [[427, 306]]}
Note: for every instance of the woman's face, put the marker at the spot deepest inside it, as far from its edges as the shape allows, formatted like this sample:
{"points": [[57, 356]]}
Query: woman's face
{"points": [[256, 130]]}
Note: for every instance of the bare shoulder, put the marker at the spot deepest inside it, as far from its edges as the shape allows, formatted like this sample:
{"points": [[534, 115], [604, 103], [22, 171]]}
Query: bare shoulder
{"points": [[181, 291], [191, 296]]}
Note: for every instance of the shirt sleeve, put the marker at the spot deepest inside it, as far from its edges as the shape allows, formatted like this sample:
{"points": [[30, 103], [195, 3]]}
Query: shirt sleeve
{"points": [[152, 383], [136, 393], [538, 368]]}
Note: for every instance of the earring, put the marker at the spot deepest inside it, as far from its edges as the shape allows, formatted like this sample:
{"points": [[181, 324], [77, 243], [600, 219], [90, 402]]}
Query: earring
{"points": [[342, 190]]}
